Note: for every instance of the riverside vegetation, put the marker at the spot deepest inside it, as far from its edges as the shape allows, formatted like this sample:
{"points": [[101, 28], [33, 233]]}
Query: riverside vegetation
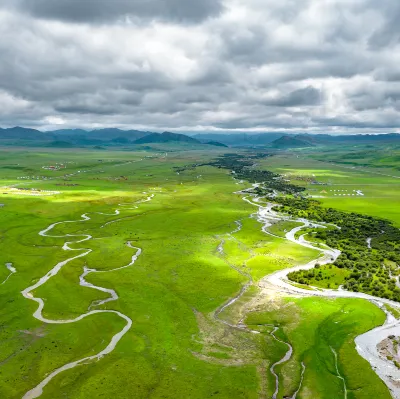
{"points": [[370, 246], [370, 249]]}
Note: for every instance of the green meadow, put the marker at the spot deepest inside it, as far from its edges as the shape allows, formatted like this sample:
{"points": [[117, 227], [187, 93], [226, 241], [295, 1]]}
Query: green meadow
{"points": [[179, 345], [314, 327], [379, 185]]}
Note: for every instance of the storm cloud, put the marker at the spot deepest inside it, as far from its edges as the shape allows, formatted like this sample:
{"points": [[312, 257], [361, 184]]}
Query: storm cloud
{"points": [[103, 11], [252, 65]]}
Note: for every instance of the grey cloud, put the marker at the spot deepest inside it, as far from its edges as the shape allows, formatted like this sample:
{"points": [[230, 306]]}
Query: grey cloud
{"points": [[85, 109], [247, 46], [347, 122], [112, 10], [375, 96], [217, 73], [389, 31], [387, 74], [300, 97], [265, 65]]}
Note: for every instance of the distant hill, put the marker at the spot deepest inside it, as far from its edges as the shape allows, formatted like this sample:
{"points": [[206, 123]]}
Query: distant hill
{"points": [[239, 139], [113, 133], [23, 133], [166, 137], [104, 135], [290, 142], [359, 138], [265, 139], [216, 143], [81, 137], [69, 132], [309, 138], [121, 140], [60, 144], [117, 137]]}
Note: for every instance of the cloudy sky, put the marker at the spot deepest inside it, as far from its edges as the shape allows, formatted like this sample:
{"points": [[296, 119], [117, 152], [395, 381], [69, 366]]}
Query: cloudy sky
{"points": [[206, 65]]}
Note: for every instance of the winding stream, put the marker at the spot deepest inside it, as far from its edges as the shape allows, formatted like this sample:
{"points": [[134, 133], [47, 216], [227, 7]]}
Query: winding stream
{"points": [[284, 359], [38, 314], [11, 269], [366, 344], [338, 372], [241, 325]]}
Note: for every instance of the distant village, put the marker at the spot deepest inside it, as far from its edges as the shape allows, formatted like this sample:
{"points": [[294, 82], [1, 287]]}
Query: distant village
{"points": [[57, 166], [305, 178], [313, 181]]}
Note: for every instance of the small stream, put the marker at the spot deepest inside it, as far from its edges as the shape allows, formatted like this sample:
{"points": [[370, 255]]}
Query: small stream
{"points": [[38, 314], [240, 325], [11, 269], [338, 373], [284, 359]]}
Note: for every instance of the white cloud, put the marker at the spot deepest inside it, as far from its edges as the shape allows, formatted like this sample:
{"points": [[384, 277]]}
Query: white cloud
{"points": [[54, 120]]}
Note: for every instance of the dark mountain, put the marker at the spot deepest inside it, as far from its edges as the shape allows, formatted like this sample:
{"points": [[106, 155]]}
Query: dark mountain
{"points": [[216, 143], [107, 134], [360, 138], [350, 138], [23, 133], [239, 139], [290, 142], [121, 140], [166, 137], [111, 133], [151, 138], [309, 138], [69, 132], [262, 139], [83, 140], [115, 136]]}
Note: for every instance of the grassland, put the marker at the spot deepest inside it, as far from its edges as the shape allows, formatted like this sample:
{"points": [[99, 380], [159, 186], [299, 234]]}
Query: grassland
{"points": [[380, 186], [176, 346], [314, 326]]}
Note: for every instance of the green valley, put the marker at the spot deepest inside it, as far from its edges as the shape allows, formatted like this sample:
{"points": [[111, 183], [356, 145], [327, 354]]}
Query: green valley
{"points": [[144, 273]]}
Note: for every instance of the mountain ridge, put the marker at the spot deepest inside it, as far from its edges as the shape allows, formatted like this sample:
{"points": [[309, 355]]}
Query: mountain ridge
{"points": [[106, 136], [115, 136], [166, 137]]}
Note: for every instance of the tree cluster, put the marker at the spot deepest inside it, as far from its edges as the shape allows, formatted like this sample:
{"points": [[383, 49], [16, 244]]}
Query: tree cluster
{"points": [[243, 168], [373, 270]]}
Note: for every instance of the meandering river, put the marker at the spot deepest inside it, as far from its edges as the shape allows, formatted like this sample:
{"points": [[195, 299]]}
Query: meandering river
{"points": [[366, 344], [38, 314]]}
